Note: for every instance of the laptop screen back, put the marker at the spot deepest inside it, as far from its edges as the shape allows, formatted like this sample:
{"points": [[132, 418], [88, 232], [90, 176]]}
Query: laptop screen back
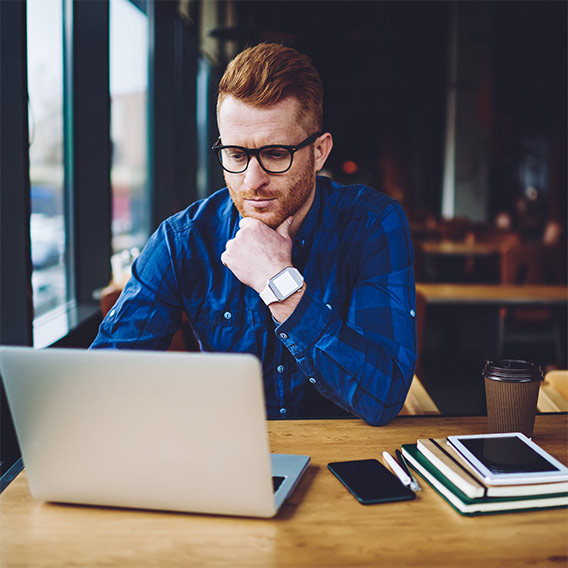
{"points": [[169, 431]]}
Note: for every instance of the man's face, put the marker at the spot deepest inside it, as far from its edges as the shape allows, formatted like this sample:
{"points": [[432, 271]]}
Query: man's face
{"points": [[270, 198]]}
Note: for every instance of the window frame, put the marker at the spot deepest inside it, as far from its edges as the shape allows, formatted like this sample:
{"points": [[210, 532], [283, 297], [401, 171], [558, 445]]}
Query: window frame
{"points": [[15, 209], [172, 142]]}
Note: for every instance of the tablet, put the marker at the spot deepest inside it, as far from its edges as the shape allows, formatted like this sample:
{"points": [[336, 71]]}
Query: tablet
{"points": [[509, 459]]}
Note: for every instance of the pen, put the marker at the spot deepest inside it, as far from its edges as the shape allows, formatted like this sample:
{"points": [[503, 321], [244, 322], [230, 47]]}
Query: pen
{"points": [[397, 470], [414, 485]]}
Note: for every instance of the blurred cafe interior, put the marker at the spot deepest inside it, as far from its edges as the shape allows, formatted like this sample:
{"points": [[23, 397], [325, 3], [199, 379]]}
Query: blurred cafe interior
{"points": [[455, 109]]}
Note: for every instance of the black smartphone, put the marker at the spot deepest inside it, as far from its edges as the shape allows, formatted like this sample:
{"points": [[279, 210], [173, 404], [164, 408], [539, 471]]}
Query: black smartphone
{"points": [[369, 481]]}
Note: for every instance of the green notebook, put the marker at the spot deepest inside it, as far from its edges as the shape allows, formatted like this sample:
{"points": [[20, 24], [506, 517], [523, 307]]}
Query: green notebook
{"points": [[484, 505]]}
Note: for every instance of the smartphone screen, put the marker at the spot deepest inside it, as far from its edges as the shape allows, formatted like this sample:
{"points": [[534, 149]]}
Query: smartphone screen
{"points": [[369, 481]]}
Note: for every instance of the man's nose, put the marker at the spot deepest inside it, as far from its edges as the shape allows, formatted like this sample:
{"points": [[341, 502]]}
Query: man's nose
{"points": [[255, 176]]}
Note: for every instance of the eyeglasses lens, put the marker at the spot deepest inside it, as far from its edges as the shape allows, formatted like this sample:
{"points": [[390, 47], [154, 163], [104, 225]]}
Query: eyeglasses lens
{"points": [[274, 159]]}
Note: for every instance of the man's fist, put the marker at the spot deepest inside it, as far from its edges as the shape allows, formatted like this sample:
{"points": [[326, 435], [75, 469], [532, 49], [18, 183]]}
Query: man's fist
{"points": [[257, 252]]}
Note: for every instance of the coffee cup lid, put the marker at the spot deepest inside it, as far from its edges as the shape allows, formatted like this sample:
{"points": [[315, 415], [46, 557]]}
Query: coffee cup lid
{"points": [[515, 370]]}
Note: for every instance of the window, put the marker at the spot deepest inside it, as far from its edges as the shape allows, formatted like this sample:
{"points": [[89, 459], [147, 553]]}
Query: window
{"points": [[63, 48], [45, 91], [129, 129]]}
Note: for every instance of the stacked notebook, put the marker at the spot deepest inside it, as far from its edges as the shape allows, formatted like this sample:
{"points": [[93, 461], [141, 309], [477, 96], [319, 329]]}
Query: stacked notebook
{"points": [[461, 484]]}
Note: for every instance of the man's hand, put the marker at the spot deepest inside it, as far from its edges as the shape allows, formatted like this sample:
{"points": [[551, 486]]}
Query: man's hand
{"points": [[258, 252]]}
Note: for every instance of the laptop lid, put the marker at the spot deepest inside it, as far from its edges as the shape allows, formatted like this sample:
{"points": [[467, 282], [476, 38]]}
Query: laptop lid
{"points": [[155, 430]]}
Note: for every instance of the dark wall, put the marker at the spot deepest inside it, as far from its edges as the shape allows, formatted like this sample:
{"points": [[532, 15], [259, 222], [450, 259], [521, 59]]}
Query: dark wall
{"points": [[383, 65], [529, 108], [385, 71]]}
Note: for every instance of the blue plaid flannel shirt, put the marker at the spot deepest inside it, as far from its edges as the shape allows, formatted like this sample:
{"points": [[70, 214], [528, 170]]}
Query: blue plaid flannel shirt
{"points": [[349, 348]]}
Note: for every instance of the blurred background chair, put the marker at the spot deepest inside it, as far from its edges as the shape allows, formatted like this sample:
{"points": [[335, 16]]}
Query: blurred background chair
{"points": [[532, 263], [553, 395], [418, 400], [421, 305], [454, 229], [500, 238], [183, 339], [553, 233]]}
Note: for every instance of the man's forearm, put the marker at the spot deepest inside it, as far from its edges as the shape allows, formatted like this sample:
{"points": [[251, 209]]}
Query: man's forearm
{"points": [[362, 372]]}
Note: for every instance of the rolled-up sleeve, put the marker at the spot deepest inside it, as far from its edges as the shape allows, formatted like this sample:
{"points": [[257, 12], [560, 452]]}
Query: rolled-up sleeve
{"points": [[363, 362]]}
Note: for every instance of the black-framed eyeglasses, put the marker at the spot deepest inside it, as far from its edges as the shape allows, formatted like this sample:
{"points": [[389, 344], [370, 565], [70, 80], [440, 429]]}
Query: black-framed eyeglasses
{"points": [[273, 159]]}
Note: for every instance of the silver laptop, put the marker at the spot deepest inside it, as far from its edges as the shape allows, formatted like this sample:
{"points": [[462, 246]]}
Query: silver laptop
{"points": [[151, 430]]}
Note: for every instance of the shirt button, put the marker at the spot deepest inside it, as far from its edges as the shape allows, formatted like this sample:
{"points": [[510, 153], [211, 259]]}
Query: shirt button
{"points": [[312, 380], [283, 335], [227, 315], [283, 411], [280, 368], [412, 313], [112, 312], [328, 306]]}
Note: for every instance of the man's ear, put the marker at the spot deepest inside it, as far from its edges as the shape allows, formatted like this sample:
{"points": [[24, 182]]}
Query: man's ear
{"points": [[322, 149]]}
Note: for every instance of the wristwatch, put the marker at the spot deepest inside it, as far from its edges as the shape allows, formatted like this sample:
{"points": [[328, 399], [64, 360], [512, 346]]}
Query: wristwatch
{"points": [[282, 286]]}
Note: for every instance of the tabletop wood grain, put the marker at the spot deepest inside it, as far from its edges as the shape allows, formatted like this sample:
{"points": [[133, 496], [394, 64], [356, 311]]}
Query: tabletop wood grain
{"points": [[494, 294], [453, 248], [321, 525]]}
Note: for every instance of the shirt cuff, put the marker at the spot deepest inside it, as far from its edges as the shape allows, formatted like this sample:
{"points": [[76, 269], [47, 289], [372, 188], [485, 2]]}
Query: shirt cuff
{"points": [[305, 325]]}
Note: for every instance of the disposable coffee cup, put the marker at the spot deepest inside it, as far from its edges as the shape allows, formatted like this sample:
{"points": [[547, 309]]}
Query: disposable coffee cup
{"points": [[511, 392]]}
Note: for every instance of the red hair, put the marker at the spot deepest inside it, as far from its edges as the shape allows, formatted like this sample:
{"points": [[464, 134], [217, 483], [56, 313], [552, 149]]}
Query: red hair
{"points": [[267, 73]]}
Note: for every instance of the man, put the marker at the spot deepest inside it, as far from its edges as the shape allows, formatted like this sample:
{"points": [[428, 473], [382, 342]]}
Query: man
{"points": [[314, 278]]}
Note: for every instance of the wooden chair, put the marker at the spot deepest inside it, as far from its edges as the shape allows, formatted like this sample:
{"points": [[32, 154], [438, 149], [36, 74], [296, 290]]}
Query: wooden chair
{"points": [[485, 269], [418, 401], [532, 263], [490, 235], [421, 306], [553, 233], [183, 339], [454, 229], [553, 395]]}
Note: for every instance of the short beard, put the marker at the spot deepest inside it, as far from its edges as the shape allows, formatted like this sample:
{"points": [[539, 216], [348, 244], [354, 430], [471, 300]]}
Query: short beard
{"points": [[298, 189]]}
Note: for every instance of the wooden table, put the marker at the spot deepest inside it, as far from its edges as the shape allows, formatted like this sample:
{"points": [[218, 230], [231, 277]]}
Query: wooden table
{"points": [[453, 261], [463, 307], [527, 295], [458, 248], [322, 524]]}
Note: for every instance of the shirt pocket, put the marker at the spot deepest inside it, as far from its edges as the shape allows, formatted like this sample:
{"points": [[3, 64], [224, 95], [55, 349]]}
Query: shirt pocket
{"points": [[225, 330]]}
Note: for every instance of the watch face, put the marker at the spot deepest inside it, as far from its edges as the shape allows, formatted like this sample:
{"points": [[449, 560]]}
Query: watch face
{"points": [[285, 284]]}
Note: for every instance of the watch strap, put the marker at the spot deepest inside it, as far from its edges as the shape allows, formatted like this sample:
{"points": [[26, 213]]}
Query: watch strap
{"points": [[268, 296]]}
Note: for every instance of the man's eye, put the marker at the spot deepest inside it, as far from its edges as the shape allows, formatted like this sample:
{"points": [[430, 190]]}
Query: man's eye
{"points": [[276, 154], [236, 155]]}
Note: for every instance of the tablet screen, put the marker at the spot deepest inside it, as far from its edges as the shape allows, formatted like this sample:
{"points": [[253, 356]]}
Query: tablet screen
{"points": [[507, 455]]}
